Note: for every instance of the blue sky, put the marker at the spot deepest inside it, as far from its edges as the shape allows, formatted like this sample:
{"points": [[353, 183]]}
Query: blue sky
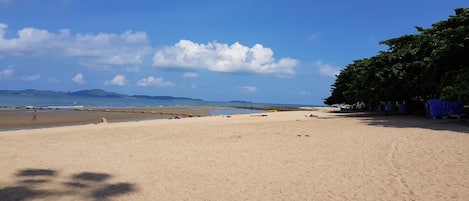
{"points": [[283, 51]]}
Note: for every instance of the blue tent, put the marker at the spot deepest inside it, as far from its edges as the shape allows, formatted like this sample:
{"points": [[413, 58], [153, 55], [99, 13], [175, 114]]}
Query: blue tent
{"points": [[437, 108]]}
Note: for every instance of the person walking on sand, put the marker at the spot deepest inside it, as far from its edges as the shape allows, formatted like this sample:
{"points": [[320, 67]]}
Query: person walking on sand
{"points": [[34, 115]]}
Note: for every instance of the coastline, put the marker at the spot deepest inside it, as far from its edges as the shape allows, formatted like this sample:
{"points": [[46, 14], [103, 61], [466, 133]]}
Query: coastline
{"points": [[22, 118]]}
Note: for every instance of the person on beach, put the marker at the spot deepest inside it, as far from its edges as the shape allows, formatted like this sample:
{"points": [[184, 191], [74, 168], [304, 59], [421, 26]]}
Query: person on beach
{"points": [[34, 115]]}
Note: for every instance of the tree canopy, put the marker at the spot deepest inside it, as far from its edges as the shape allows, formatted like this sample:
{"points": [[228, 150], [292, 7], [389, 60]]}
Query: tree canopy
{"points": [[432, 63]]}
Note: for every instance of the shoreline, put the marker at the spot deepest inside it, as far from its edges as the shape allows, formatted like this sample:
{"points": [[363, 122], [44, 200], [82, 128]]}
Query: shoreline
{"points": [[22, 118]]}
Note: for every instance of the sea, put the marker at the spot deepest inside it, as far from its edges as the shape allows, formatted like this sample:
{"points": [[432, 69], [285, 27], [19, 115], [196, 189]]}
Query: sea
{"points": [[67, 101]]}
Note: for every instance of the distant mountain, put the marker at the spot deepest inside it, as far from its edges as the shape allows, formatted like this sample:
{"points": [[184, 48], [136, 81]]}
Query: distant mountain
{"points": [[96, 93], [240, 101], [32, 92], [89, 93]]}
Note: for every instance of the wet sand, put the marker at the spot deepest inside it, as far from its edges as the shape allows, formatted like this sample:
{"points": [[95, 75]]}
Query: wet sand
{"points": [[268, 156], [23, 118]]}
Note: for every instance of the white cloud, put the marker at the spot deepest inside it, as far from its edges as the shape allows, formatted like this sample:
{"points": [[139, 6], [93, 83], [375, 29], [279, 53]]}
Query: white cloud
{"points": [[118, 80], [79, 79], [110, 49], [222, 57], [326, 69], [190, 75], [94, 50], [6, 73], [248, 89], [31, 77], [152, 81]]}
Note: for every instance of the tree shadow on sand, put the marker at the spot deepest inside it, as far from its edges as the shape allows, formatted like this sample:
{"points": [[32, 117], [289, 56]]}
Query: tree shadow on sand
{"points": [[48, 184], [408, 121]]}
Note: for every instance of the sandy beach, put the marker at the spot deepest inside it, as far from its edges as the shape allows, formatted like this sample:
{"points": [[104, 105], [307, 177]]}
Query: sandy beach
{"points": [[268, 156]]}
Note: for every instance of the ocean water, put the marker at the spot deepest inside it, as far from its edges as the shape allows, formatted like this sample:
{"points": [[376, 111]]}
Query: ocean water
{"points": [[12, 101], [234, 111]]}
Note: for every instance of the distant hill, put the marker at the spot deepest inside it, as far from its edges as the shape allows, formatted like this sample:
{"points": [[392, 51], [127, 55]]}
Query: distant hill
{"points": [[239, 101], [89, 93], [96, 93], [32, 92]]}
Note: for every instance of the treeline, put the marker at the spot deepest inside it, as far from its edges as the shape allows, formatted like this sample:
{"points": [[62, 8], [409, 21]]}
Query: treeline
{"points": [[431, 64]]}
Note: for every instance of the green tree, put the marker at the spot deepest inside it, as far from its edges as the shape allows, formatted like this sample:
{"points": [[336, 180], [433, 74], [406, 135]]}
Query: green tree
{"points": [[434, 62]]}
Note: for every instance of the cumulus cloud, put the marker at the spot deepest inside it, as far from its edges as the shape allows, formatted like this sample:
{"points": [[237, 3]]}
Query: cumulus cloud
{"points": [[248, 89], [79, 79], [152, 81], [31, 77], [6, 73], [92, 49], [190, 75], [222, 57], [118, 80], [326, 69]]}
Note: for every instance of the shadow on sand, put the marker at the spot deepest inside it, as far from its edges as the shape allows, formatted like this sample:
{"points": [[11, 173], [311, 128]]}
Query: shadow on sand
{"points": [[409, 121], [48, 184]]}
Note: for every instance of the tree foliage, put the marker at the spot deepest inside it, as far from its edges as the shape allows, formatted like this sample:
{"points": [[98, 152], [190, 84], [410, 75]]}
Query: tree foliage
{"points": [[432, 63]]}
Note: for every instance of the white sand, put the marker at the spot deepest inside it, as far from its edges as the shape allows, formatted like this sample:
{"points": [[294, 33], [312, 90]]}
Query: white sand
{"points": [[284, 156]]}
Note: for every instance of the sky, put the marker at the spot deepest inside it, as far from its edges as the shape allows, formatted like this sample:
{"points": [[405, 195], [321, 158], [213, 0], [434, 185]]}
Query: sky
{"points": [[282, 51]]}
